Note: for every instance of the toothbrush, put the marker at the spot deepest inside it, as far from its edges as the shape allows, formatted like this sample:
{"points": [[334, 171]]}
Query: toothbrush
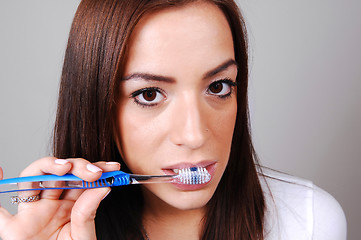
{"points": [[194, 175]]}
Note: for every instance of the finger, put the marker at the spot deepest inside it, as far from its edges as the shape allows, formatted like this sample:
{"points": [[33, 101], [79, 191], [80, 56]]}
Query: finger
{"points": [[43, 166], [84, 211], [80, 168], [108, 166], [77, 166], [85, 170], [50, 165], [105, 166], [1, 173], [47, 165]]}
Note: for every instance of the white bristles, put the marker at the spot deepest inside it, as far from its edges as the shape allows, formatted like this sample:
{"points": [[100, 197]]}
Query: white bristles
{"points": [[190, 176]]}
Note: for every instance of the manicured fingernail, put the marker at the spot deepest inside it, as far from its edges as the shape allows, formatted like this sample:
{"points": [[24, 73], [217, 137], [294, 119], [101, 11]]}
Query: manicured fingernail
{"points": [[61, 161], [113, 163], [93, 168]]}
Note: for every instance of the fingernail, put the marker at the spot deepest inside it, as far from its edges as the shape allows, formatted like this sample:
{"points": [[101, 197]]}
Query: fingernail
{"points": [[113, 163], [61, 161], [93, 168]]}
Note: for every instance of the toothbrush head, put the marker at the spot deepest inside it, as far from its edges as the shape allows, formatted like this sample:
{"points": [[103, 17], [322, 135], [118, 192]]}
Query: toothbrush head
{"points": [[193, 175]]}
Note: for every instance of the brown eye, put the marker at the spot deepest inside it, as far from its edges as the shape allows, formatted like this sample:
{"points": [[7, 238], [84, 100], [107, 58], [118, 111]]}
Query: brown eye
{"points": [[221, 88], [149, 95], [216, 87]]}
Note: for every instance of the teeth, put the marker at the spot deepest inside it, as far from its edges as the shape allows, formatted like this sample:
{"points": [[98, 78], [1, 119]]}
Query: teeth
{"points": [[176, 171], [194, 175]]}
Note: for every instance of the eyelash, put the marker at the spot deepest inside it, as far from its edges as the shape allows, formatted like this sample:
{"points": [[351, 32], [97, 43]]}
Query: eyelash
{"points": [[135, 95], [231, 84], [139, 93]]}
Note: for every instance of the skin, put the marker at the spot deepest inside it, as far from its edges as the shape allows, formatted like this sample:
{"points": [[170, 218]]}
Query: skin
{"points": [[50, 217], [190, 124], [182, 121]]}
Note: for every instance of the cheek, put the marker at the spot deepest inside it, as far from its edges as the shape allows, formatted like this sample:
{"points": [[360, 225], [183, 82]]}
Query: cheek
{"points": [[132, 134], [223, 126], [139, 136]]}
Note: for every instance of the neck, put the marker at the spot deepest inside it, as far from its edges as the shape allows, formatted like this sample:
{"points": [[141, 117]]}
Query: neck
{"points": [[162, 221]]}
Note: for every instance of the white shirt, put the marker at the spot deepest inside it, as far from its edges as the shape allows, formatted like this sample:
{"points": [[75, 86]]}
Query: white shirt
{"points": [[299, 210]]}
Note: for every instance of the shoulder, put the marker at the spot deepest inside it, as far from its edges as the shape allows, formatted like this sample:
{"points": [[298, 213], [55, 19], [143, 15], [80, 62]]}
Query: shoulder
{"points": [[296, 207]]}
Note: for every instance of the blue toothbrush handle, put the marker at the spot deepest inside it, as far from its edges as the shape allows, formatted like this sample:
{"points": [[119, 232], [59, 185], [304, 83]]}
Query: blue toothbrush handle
{"points": [[69, 181]]}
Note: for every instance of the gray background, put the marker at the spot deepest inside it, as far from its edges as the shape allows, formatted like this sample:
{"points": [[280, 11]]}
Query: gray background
{"points": [[305, 88]]}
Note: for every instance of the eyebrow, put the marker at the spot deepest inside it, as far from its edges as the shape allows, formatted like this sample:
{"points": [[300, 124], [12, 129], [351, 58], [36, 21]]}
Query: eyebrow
{"points": [[150, 77], [220, 68], [158, 78]]}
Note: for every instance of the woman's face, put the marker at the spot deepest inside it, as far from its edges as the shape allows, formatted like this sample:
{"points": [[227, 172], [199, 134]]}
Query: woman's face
{"points": [[177, 105]]}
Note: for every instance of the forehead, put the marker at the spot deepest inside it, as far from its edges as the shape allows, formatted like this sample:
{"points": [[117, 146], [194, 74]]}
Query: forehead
{"points": [[185, 35]]}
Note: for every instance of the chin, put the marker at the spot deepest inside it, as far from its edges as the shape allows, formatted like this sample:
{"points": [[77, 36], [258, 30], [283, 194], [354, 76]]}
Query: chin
{"points": [[169, 197], [190, 202]]}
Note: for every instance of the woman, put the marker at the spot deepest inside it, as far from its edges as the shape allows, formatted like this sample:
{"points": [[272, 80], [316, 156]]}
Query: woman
{"points": [[156, 86]]}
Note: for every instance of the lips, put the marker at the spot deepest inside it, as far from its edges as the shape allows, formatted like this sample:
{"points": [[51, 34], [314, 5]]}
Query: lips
{"points": [[174, 168]]}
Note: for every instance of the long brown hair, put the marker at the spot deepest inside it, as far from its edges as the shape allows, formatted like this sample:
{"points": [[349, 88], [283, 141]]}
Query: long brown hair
{"points": [[93, 67]]}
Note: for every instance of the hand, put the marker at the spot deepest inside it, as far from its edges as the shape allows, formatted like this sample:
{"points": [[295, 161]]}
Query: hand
{"points": [[59, 214]]}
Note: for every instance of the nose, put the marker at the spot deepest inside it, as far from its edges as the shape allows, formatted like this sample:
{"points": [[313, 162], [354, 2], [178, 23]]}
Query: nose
{"points": [[189, 123]]}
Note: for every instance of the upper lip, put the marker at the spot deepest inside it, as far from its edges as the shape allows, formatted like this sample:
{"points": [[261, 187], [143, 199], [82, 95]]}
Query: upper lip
{"points": [[189, 165]]}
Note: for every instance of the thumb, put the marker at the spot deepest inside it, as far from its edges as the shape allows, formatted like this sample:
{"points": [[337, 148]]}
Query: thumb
{"points": [[5, 217], [84, 211]]}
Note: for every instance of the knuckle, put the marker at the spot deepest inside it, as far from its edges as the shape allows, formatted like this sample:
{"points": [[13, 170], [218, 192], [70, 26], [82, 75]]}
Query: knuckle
{"points": [[35, 166], [81, 216]]}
